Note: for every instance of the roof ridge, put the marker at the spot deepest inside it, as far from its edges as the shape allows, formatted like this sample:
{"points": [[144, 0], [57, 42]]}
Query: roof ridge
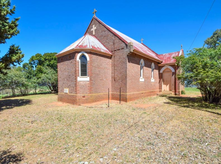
{"points": [[80, 41], [150, 48], [126, 39], [115, 32], [169, 52]]}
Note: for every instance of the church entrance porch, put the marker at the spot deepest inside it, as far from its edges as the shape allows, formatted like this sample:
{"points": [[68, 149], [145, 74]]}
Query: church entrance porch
{"points": [[167, 76], [167, 80]]}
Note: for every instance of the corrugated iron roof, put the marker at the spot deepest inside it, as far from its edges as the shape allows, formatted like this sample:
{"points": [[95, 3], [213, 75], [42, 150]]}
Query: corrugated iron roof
{"points": [[87, 42], [91, 42], [169, 57], [138, 46]]}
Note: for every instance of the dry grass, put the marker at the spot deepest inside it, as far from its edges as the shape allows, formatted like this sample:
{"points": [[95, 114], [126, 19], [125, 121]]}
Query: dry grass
{"points": [[36, 129]]}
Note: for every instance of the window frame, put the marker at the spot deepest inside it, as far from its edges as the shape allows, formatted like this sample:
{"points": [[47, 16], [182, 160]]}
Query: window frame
{"points": [[152, 72], [142, 70], [83, 78], [80, 70]]}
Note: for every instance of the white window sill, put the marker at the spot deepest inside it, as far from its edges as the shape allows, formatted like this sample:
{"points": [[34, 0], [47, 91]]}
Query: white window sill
{"points": [[83, 78], [152, 80], [141, 79]]}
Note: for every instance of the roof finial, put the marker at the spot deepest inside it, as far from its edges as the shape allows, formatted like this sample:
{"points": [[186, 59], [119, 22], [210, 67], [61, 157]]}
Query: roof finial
{"points": [[94, 12], [142, 40], [181, 46]]}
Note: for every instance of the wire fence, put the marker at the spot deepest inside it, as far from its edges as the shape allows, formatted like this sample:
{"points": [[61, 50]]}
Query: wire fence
{"points": [[8, 92]]}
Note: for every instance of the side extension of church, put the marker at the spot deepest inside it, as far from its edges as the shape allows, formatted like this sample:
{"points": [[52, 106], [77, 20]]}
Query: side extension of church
{"points": [[105, 59]]}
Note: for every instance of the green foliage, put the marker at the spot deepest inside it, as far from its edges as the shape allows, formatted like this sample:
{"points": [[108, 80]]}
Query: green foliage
{"points": [[215, 40], [8, 29], [49, 77], [15, 79], [14, 56], [40, 71], [44, 69], [183, 92], [202, 68], [47, 59]]}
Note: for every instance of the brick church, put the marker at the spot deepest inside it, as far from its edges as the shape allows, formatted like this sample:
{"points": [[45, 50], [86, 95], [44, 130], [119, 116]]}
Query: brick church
{"points": [[106, 59]]}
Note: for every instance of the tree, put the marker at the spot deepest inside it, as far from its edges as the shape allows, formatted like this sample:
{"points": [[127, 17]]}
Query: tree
{"points": [[15, 79], [45, 70], [30, 76], [47, 59], [215, 40], [202, 68], [49, 77], [8, 29]]}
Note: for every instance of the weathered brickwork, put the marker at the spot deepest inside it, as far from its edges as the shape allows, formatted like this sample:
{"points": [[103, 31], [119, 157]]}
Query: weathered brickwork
{"points": [[120, 73], [137, 88], [118, 61], [99, 72], [67, 73]]}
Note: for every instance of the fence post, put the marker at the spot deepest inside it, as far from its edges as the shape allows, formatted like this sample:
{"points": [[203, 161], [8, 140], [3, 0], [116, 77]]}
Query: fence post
{"points": [[108, 97], [120, 96]]}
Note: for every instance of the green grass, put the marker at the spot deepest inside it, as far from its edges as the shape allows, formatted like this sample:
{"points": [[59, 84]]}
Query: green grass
{"points": [[192, 91], [2, 96]]}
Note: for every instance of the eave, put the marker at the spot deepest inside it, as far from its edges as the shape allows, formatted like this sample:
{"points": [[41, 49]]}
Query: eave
{"points": [[146, 56], [166, 64], [85, 50]]}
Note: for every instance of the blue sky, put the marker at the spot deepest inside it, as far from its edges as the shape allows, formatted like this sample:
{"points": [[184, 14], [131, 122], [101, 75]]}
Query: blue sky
{"points": [[52, 25]]}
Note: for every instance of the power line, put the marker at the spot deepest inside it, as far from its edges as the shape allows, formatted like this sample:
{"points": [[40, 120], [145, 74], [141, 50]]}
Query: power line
{"points": [[202, 24]]}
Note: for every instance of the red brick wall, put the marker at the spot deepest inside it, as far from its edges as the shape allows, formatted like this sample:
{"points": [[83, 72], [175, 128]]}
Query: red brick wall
{"points": [[119, 71], [119, 59], [99, 72], [135, 87], [67, 98], [100, 77], [67, 73], [105, 36]]}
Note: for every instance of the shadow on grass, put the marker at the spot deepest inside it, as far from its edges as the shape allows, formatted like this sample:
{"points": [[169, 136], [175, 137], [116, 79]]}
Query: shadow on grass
{"points": [[11, 103], [194, 103], [7, 156]]}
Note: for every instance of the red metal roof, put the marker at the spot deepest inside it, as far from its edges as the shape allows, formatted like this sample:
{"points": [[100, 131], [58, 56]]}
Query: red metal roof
{"points": [[168, 57], [87, 42], [126, 39], [91, 42]]}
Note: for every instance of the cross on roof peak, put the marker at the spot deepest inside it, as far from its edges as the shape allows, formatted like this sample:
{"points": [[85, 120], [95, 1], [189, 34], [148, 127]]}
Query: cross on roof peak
{"points": [[94, 12], [142, 40]]}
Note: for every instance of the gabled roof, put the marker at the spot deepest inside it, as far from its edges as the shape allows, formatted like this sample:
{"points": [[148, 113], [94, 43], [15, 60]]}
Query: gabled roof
{"points": [[126, 39], [87, 42], [91, 43], [168, 58]]}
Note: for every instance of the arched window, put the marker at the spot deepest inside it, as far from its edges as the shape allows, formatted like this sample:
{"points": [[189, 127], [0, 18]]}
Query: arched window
{"points": [[152, 72], [83, 65], [83, 60], [141, 70]]}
